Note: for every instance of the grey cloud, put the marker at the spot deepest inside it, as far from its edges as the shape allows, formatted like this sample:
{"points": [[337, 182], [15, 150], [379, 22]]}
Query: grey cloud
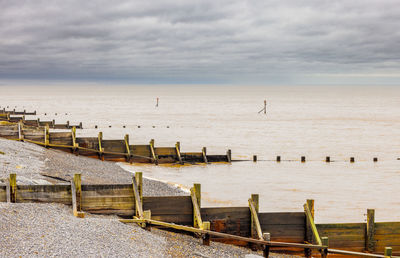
{"points": [[197, 41]]}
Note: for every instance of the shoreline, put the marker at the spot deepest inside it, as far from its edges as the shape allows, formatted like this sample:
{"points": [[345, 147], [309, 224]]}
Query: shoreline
{"points": [[51, 230]]}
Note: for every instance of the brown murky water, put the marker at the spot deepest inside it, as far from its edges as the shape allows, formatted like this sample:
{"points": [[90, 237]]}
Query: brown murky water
{"points": [[301, 121]]}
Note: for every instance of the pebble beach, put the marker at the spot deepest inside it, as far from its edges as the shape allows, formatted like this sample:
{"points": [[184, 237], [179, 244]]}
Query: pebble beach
{"points": [[51, 230]]}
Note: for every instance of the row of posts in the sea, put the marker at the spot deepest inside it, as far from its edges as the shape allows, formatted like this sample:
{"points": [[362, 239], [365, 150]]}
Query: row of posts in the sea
{"points": [[303, 159]]}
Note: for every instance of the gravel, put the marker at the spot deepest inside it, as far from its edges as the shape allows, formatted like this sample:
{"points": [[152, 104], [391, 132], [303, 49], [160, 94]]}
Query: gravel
{"points": [[50, 230]]}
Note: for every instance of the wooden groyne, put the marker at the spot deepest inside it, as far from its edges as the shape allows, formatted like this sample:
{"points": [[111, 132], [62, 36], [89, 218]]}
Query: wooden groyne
{"points": [[14, 126], [289, 232]]}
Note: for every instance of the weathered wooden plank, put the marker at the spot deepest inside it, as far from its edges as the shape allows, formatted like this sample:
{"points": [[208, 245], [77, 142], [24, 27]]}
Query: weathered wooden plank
{"points": [[141, 150], [217, 158], [165, 151], [62, 138], [234, 220], [109, 189], [383, 228], [3, 193], [44, 193], [183, 219], [108, 199], [337, 226], [192, 156], [388, 237], [168, 205], [113, 145], [88, 142], [281, 231], [281, 218]]}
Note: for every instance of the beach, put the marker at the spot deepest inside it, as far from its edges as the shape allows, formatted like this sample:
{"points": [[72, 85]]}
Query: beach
{"points": [[51, 230]]}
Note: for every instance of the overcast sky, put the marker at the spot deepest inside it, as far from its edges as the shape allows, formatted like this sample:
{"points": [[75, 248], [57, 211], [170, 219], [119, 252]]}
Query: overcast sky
{"points": [[228, 42]]}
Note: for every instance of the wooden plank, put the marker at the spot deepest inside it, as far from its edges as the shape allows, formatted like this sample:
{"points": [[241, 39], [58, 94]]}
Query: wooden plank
{"points": [[232, 220], [281, 218], [44, 193], [165, 151], [343, 252], [113, 146], [108, 199], [383, 228], [218, 234], [168, 205], [61, 138]]}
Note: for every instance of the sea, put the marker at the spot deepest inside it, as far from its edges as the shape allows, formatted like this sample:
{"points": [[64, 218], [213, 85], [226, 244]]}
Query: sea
{"points": [[312, 121]]}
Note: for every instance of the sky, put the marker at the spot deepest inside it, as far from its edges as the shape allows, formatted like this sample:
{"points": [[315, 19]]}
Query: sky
{"points": [[299, 42]]}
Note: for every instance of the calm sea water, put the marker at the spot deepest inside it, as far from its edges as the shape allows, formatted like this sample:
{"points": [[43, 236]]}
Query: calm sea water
{"points": [[301, 121]]}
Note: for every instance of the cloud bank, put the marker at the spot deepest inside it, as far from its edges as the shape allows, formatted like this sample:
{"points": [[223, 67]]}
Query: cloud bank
{"points": [[253, 42]]}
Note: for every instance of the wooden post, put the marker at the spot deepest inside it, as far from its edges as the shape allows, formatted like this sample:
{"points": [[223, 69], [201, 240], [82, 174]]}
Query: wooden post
{"points": [[254, 158], [328, 159], [139, 183], [388, 251], [370, 238], [324, 251], [229, 156], [266, 237], [206, 237], [13, 187], [278, 158], [195, 193], [309, 234], [100, 138], [76, 192], [204, 152], [75, 148], [310, 218], [20, 136], [178, 152], [253, 228], [128, 158], [265, 106], [137, 177], [46, 135], [78, 187], [153, 153]]}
